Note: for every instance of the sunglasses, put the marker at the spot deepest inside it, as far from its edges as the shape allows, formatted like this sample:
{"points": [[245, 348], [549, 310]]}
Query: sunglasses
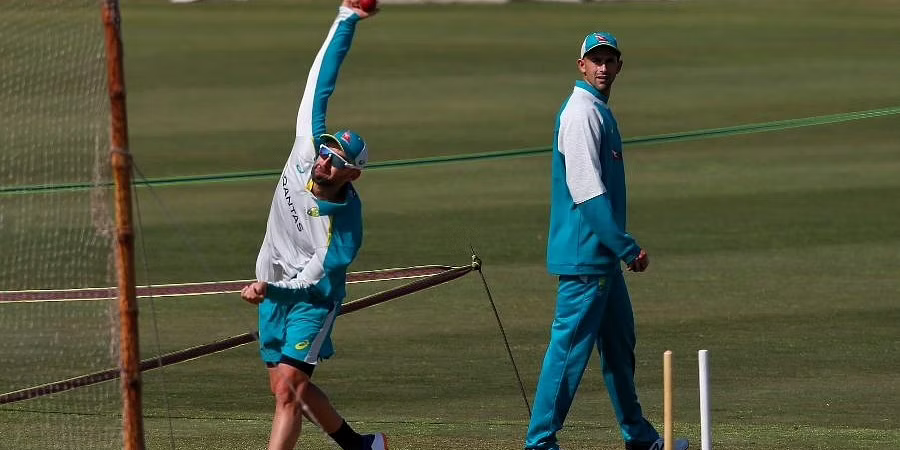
{"points": [[338, 161]]}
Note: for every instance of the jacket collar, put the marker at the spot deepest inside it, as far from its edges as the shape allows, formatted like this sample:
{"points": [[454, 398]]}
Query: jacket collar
{"points": [[592, 90]]}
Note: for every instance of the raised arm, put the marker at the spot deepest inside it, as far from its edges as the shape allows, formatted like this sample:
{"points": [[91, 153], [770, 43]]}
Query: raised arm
{"points": [[323, 74]]}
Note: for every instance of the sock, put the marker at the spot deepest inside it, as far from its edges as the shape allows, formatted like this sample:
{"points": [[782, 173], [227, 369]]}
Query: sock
{"points": [[347, 438]]}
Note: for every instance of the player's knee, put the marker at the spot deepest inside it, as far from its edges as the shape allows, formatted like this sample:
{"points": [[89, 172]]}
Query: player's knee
{"points": [[289, 390]]}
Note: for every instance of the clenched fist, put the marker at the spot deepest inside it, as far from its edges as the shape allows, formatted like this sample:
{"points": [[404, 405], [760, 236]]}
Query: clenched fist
{"points": [[254, 292]]}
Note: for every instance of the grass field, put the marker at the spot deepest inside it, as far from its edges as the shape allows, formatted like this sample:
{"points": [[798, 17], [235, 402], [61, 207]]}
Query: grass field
{"points": [[779, 252]]}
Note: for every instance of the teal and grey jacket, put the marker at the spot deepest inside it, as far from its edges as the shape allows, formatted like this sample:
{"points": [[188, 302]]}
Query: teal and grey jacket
{"points": [[587, 212], [309, 243]]}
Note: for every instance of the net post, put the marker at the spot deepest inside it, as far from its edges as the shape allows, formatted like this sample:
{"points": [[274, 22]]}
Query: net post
{"points": [[120, 159]]}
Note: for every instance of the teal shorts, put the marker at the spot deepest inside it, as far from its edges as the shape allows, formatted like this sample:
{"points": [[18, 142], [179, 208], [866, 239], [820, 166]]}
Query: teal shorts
{"points": [[300, 331]]}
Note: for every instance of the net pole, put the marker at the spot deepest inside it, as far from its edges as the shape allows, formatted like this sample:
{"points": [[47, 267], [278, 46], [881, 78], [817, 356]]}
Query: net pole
{"points": [[120, 159]]}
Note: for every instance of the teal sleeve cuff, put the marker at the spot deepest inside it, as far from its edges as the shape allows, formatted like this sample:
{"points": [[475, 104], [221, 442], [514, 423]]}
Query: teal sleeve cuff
{"points": [[599, 216], [349, 15], [285, 295]]}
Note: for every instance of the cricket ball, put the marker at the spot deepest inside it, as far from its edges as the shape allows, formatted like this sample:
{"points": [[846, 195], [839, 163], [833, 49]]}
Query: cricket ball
{"points": [[368, 5]]}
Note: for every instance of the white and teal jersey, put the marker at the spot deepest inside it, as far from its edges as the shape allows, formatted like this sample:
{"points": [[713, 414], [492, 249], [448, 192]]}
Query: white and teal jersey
{"points": [[309, 243], [588, 168]]}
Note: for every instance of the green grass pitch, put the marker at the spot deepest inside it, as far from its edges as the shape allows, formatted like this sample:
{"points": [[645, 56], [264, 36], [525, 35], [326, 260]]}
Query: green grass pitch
{"points": [[778, 252]]}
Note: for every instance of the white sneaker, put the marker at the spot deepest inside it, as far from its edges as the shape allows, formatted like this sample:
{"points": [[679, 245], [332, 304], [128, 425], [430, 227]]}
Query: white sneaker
{"points": [[660, 444], [377, 441]]}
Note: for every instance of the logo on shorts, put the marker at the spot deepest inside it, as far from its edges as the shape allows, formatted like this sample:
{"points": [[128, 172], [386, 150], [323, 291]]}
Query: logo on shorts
{"points": [[301, 345]]}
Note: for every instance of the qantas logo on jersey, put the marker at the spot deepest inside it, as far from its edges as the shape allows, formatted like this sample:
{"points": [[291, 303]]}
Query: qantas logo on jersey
{"points": [[290, 203], [616, 155]]}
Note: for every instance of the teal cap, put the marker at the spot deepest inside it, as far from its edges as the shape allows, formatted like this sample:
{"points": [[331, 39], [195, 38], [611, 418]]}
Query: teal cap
{"points": [[352, 144], [597, 39]]}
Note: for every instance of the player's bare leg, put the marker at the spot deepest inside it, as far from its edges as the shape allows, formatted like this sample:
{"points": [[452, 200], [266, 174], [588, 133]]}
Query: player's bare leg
{"points": [[288, 420], [295, 397]]}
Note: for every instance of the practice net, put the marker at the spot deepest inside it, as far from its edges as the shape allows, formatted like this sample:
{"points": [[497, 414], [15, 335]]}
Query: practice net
{"points": [[55, 119]]}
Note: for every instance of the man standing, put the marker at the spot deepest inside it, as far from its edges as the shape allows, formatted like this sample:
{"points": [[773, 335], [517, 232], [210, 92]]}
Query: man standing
{"points": [[587, 239], [313, 233]]}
